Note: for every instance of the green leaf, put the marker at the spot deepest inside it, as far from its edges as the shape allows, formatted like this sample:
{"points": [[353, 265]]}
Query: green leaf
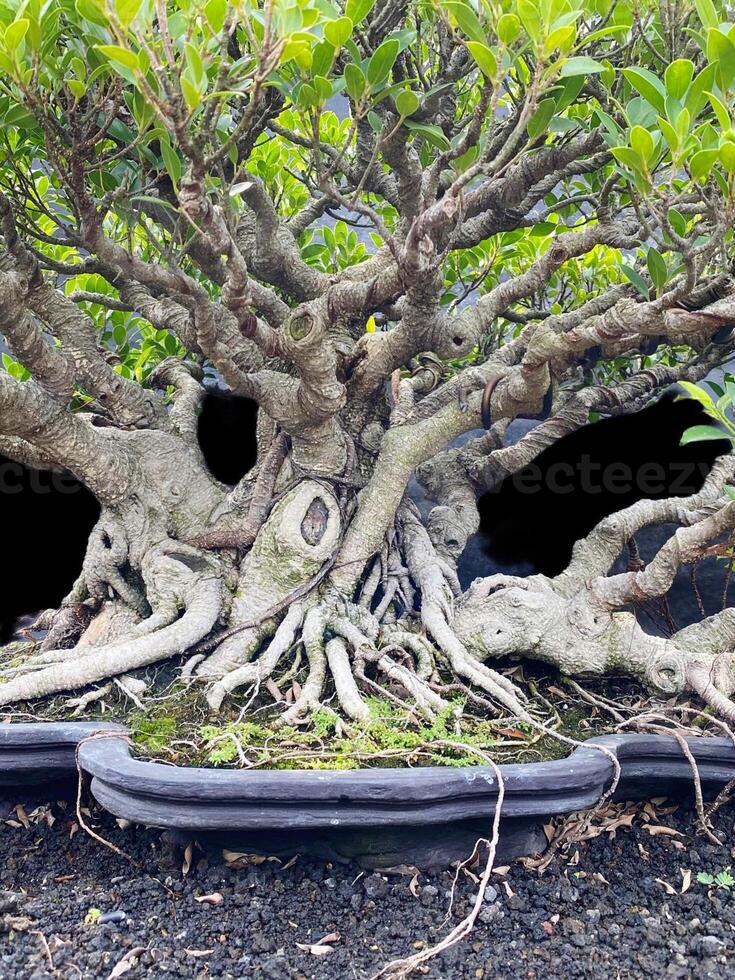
{"points": [[120, 56], [357, 10], [322, 58], [127, 10], [568, 91], [192, 95], [721, 51], [467, 19], [323, 88], [672, 137], [696, 96], [723, 116], [171, 161], [707, 13], [678, 76], [677, 221], [642, 142], [628, 156], [580, 66], [562, 38], [698, 394], [194, 61], [76, 87], [702, 162], [702, 433], [432, 134], [337, 31], [657, 268], [407, 102], [15, 32], [508, 28], [630, 273], [90, 10], [215, 11], [376, 123], [354, 82], [727, 156], [381, 62], [530, 16], [484, 58], [650, 87], [539, 121]]}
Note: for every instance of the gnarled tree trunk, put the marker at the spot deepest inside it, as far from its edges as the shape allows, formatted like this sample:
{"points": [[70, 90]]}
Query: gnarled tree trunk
{"points": [[320, 548]]}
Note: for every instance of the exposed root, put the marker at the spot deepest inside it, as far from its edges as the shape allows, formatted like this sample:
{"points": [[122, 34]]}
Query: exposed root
{"points": [[81, 703], [261, 670], [312, 635], [348, 694], [176, 576]]}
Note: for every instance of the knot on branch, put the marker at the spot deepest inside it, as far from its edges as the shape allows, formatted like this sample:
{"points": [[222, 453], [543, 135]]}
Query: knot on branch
{"points": [[192, 199], [428, 236]]}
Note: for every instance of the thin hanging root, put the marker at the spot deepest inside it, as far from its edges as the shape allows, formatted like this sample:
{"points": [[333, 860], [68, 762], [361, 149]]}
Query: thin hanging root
{"points": [[259, 671], [371, 585], [204, 603], [428, 702], [79, 704], [389, 593], [132, 687], [344, 681], [473, 670], [312, 635], [419, 646], [191, 664]]}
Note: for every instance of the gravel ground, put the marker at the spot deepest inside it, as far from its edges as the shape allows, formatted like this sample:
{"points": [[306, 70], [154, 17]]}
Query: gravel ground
{"points": [[598, 911]]}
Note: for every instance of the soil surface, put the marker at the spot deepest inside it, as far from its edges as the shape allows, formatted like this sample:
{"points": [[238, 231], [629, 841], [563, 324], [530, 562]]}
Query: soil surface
{"points": [[71, 907]]}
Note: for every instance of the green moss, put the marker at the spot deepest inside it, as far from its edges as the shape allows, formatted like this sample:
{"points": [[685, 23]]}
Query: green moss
{"points": [[176, 724], [153, 734]]}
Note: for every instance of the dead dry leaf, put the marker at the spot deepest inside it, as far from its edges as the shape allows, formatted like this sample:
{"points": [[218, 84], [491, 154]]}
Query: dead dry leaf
{"points": [[198, 952], [669, 889], [315, 949], [214, 899], [322, 946], [128, 961], [658, 830], [188, 853], [240, 859], [686, 882]]}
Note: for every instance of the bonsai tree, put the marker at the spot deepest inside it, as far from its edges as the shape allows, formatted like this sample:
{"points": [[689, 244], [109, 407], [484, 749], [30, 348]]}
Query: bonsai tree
{"points": [[388, 224]]}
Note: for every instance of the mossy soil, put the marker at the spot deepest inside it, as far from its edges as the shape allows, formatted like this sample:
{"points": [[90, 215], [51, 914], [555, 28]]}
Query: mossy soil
{"points": [[173, 723]]}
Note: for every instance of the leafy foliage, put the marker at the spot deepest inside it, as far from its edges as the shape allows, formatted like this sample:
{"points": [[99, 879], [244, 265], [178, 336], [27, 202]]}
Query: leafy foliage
{"points": [[184, 85]]}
